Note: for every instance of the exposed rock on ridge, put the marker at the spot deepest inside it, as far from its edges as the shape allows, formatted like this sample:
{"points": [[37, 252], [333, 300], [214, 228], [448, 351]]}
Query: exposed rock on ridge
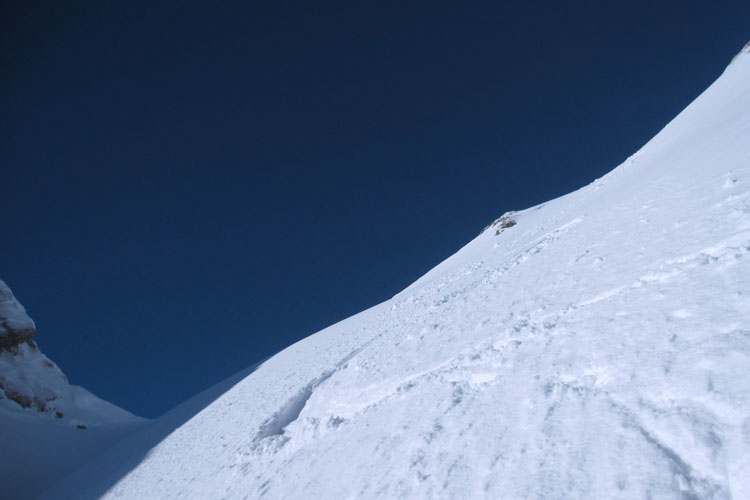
{"points": [[15, 325]]}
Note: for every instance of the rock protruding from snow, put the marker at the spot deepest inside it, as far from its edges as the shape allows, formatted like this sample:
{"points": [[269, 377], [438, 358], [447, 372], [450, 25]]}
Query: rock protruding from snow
{"points": [[15, 325], [30, 379], [27, 377], [501, 223]]}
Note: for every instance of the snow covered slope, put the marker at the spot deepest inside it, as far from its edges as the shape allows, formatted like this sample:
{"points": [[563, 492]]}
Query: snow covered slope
{"points": [[598, 348], [47, 426]]}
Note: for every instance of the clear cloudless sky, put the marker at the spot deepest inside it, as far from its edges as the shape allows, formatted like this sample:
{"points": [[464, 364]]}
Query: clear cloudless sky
{"points": [[189, 187]]}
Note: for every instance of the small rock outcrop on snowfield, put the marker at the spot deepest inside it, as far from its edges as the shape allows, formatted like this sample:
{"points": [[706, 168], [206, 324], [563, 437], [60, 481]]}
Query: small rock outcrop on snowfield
{"points": [[500, 224]]}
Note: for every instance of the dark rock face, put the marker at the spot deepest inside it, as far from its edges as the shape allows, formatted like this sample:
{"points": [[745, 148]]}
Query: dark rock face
{"points": [[11, 337], [15, 326]]}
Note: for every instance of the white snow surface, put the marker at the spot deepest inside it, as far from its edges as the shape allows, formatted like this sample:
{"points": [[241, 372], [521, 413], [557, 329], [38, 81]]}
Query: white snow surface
{"points": [[599, 348]]}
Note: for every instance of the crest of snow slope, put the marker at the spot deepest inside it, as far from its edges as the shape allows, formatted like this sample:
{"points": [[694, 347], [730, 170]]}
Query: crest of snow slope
{"points": [[40, 412], [599, 348]]}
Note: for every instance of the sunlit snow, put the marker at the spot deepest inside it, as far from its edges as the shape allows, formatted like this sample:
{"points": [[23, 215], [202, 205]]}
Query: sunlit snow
{"points": [[598, 348]]}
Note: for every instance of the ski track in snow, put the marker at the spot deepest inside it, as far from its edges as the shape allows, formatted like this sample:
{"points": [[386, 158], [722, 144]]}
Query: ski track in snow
{"points": [[597, 349]]}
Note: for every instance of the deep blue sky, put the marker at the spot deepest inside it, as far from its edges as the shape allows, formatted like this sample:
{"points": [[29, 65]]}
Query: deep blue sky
{"points": [[192, 186]]}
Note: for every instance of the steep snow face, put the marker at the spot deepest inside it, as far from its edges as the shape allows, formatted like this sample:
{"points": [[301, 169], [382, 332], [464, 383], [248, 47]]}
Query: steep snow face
{"points": [[47, 426], [597, 348]]}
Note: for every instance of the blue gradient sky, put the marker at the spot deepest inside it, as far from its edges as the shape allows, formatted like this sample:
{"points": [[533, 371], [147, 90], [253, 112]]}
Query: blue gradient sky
{"points": [[191, 187]]}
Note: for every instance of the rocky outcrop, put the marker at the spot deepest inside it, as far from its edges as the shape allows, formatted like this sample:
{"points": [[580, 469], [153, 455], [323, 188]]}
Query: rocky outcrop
{"points": [[27, 377], [31, 382], [15, 325], [501, 223]]}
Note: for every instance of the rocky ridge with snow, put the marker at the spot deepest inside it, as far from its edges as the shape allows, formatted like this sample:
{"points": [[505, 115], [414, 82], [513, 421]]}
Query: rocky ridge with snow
{"points": [[30, 381], [48, 427], [27, 377]]}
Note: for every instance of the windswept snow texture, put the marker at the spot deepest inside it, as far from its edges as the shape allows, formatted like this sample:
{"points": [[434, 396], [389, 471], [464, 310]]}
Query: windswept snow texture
{"points": [[598, 348]]}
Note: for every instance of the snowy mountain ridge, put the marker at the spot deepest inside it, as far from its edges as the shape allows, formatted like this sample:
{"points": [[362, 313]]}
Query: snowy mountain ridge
{"points": [[29, 380], [597, 348]]}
